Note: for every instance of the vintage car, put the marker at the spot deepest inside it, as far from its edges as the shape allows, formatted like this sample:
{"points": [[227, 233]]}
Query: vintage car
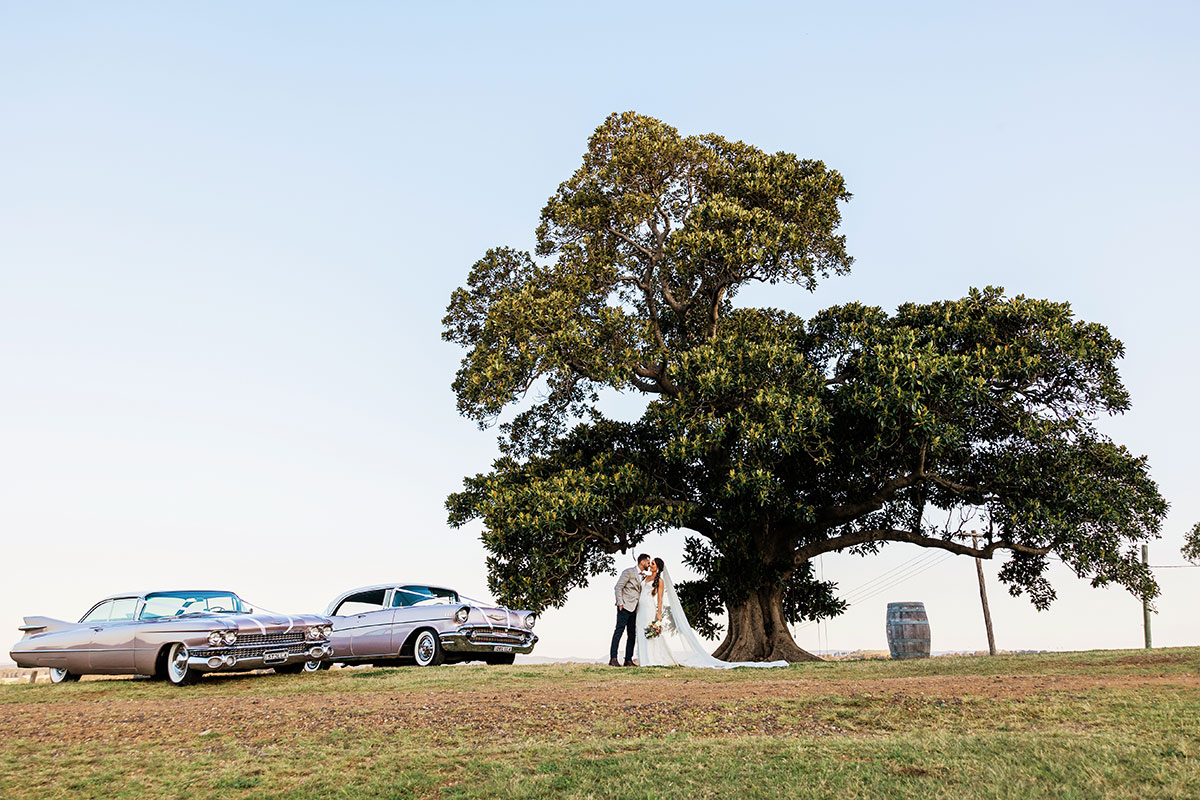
{"points": [[410, 623], [177, 635]]}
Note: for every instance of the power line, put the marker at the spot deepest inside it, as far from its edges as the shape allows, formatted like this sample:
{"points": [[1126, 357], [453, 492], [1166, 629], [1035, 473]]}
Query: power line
{"points": [[930, 566], [929, 559], [887, 573], [891, 576], [925, 562]]}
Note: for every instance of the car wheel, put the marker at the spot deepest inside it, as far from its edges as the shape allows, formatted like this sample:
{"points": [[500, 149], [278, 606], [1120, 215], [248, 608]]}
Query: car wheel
{"points": [[178, 671], [500, 658], [313, 665], [62, 676], [427, 649]]}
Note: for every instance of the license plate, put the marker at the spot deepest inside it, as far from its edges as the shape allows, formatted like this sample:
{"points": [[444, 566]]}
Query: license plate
{"points": [[503, 648], [274, 656]]}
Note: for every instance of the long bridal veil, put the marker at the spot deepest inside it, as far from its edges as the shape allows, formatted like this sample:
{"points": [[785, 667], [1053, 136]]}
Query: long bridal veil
{"points": [[685, 646]]}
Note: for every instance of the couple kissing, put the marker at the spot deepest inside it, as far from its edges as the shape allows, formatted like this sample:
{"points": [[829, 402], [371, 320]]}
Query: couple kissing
{"points": [[655, 625], [631, 585]]}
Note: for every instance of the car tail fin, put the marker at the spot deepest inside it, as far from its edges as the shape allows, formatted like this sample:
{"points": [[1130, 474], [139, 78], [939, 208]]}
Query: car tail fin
{"points": [[41, 625]]}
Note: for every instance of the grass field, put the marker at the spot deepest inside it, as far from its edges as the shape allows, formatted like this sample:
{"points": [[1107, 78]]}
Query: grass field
{"points": [[1122, 724]]}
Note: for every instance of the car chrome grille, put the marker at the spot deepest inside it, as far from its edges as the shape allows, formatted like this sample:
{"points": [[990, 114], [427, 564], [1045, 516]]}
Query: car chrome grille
{"points": [[255, 645], [270, 640], [259, 652], [497, 636]]}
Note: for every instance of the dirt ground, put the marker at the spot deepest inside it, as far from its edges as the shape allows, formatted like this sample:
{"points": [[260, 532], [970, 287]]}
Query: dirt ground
{"points": [[782, 707]]}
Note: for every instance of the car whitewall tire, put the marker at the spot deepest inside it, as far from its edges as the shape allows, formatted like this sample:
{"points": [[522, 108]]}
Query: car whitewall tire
{"points": [[177, 669], [427, 649], [313, 665], [62, 676]]}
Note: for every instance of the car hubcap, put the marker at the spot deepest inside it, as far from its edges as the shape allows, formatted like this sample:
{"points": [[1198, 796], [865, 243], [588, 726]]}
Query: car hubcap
{"points": [[179, 662], [57, 675], [425, 648], [312, 666]]}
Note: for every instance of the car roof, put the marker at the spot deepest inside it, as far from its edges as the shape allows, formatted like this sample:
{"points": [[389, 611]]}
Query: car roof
{"points": [[139, 595], [382, 587], [386, 586]]}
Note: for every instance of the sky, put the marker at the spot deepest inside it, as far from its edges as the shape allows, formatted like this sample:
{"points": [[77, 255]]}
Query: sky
{"points": [[228, 234]]}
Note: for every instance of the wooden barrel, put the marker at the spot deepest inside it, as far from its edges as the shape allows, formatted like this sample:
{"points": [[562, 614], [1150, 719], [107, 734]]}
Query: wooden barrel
{"points": [[907, 630]]}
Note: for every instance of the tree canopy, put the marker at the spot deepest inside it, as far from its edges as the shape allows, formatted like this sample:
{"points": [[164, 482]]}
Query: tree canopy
{"points": [[769, 437], [1191, 544]]}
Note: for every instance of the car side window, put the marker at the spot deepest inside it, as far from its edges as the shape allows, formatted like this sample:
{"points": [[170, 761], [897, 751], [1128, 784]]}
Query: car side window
{"points": [[123, 609], [361, 603], [99, 613]]}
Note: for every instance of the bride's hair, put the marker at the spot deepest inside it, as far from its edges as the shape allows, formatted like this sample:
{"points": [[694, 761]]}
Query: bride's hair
{"points": [[658, 562]]}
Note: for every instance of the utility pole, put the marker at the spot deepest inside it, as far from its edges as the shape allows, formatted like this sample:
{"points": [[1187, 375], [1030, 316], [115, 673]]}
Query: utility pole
{"points": [[1146, 600], [987, 615]]}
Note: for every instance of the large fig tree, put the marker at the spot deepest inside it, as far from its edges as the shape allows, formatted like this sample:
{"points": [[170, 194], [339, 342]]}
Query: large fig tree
{"points": [[770, 438]]}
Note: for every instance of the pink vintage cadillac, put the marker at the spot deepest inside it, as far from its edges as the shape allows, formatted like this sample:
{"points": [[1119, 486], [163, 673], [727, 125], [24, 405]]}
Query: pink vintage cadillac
{"points": [[177, 635]]}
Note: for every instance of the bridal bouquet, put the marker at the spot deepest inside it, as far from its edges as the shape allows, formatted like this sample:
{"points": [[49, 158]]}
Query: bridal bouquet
{"points": [[654, 629]]}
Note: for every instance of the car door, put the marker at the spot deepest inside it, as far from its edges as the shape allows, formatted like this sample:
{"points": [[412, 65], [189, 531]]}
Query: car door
{"points": [[367, 618], [79, 653], [112, 647], [372, 634]]}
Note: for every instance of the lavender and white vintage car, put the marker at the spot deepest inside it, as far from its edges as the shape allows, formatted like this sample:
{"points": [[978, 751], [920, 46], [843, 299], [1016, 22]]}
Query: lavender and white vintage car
{"points": [[407, 623], [175, 635]]}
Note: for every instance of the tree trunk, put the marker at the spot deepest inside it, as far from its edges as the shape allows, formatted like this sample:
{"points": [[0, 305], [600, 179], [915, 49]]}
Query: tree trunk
{"points": [[758, 632]]}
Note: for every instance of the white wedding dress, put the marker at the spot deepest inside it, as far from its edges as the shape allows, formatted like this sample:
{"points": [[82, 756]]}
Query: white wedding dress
{"points": [[677, 645]]}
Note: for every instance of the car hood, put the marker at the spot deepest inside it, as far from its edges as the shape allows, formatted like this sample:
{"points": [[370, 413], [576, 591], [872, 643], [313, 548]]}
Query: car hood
{"points": [[275, 623], [495, 616], [245, 623]]}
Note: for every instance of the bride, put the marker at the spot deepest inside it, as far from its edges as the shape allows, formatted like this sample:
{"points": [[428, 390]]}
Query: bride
{"points": [[677, 645]]}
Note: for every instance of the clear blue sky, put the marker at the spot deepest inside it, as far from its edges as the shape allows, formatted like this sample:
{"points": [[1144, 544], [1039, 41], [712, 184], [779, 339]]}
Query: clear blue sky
{"points": [[228, 232]]}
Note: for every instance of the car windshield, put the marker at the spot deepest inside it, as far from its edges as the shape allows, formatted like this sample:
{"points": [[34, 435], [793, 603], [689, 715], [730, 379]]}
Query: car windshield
{"points": [[177, 604], [423, 596]]}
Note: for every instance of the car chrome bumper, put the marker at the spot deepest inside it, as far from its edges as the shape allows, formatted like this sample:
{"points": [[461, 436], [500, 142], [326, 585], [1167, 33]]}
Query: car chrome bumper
{"points": [[213, 661], [489, 640]]}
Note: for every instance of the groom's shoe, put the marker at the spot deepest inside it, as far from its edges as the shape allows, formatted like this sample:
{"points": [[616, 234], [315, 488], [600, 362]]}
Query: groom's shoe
{"points": [[612, 662], [629, 662]]}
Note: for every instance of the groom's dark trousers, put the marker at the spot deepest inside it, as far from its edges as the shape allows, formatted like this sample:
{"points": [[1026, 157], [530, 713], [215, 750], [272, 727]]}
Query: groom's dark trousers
{"points": [[627, 624]]}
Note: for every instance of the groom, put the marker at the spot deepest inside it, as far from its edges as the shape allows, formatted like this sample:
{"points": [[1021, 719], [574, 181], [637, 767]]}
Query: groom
{"points": [[628, 590]]}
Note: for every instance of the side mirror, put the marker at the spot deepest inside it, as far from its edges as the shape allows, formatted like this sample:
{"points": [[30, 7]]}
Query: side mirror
{"points": [[249, 611]]}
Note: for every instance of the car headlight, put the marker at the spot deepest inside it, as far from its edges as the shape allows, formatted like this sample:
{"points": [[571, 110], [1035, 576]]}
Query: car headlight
{"points": [[327, 630], [461, 615], [214, 638], [312, 632], [229, 637], [530, 619]]}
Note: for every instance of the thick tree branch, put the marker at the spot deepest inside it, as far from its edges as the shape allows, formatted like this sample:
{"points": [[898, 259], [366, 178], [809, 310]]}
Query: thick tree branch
{"points": [[631, 242], [845, 512], [675, 305], [644, 284], [714, 311], [655, 324], [959, 488], [839, 514], [638, 282], [646, 386], [701, 526], [892, 535], [659, 376]]}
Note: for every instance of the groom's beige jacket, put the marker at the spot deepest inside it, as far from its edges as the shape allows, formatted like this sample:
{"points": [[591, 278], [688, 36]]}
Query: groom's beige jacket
{"points": [[629, 588]]}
